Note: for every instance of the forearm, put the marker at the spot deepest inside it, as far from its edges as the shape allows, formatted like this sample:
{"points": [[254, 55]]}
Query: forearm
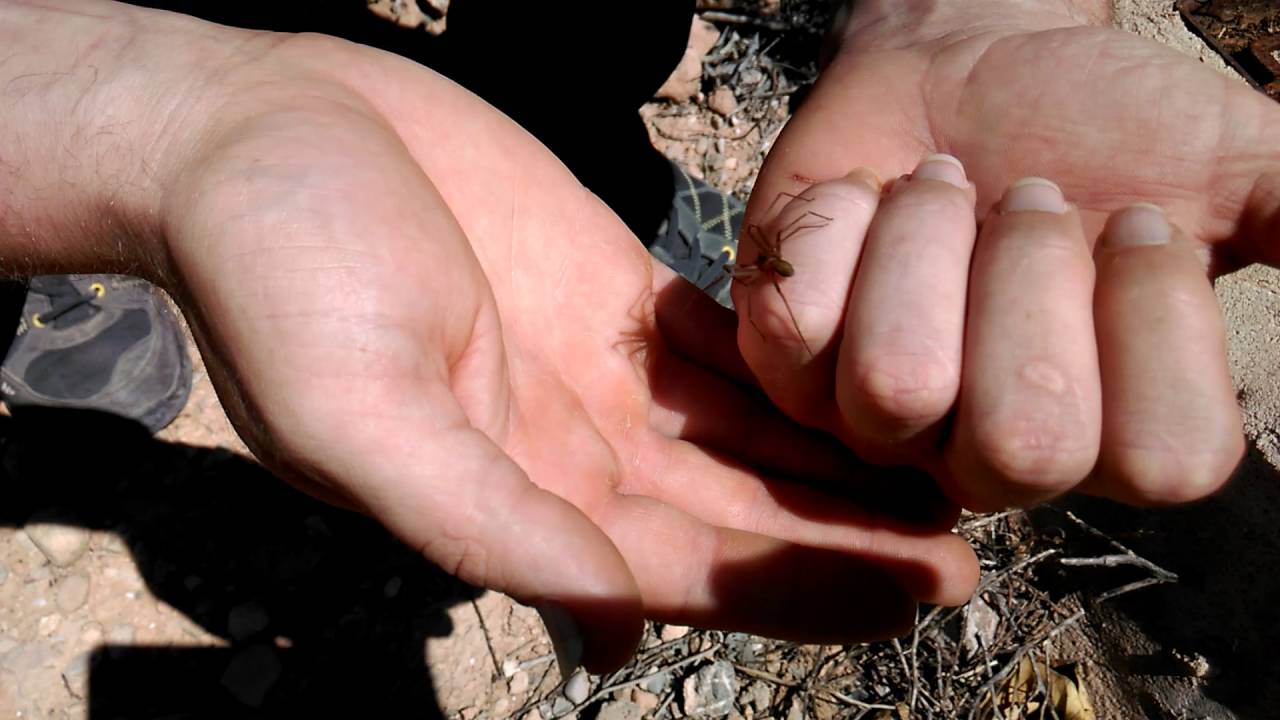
{"points": [[924, 20], [93, 95]]}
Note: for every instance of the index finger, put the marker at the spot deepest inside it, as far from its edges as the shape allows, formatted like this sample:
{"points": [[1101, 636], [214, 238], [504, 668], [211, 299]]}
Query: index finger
{"points": [[791, 288]]}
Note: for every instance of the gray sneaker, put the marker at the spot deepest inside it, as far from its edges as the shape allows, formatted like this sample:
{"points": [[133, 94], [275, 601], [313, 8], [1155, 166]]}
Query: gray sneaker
{"points": [[699, 239], [108, 343]]}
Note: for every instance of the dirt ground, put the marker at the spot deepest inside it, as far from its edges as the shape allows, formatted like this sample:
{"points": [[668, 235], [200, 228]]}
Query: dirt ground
{"points": [[173, 577]]}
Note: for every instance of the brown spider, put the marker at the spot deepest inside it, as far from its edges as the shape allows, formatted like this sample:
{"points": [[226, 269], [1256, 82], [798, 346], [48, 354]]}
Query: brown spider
{"points": [[770, 263]]}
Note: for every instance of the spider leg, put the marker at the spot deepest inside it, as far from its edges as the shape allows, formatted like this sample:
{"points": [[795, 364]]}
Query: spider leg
{"points": [[763, 246], [748, 274], [794, 323], [787, 195]]}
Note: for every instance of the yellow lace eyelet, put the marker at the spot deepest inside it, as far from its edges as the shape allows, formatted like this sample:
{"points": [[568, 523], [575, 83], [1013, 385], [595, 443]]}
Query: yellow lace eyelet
{"points": [[733, 254], [98, 289], [36, 321]]}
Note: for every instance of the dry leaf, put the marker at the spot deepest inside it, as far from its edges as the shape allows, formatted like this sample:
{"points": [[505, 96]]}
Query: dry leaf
{"points": [[1022, 696]]}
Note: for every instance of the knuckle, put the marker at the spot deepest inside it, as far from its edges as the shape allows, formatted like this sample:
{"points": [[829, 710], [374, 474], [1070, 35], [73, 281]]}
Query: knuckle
{"points": [[910, 388], [1037, 451], [1167, 476], [465, 559]]}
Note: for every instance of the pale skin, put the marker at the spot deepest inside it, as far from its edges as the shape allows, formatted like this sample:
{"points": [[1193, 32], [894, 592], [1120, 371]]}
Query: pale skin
{"points": [[1018, 358], [410, 308]]}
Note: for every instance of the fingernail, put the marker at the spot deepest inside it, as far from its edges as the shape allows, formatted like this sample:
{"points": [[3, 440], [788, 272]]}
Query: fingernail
{"points": [[1034, 194], [565, 637], [867, 177], [1137, 225], [942, 167]]}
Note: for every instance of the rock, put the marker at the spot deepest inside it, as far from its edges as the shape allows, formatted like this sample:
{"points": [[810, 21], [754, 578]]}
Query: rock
{"points": [[797, 710], [620, 710], [672, 632], [578, 688], [657, 683], [685, 81], [646, 701], [470, 713], [61, 544], [760, 696], [29, 657], [519, 683], [72, 592], [711, 691], [561, 707], [316, 525], [980, 626], [4, 574], [90, 635], [392, 588], [76, 675], [251, 674], [532, 715], [723, 102], [409, 14], [246, 620]]}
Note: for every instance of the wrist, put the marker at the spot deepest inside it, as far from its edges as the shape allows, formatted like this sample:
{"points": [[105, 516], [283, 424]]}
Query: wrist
{"points": [[96, 100]]}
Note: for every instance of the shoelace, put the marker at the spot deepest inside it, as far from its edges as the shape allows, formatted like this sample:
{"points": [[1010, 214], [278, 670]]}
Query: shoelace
{"points": [[68, 304]]}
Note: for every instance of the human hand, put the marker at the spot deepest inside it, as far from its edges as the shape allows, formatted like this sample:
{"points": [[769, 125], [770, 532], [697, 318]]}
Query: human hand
{"points": [[1049, 379], [411, 309]]}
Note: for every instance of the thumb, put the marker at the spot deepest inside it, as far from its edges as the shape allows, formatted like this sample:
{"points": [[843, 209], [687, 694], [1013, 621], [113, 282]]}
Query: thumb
{"points": [[453, 494]]}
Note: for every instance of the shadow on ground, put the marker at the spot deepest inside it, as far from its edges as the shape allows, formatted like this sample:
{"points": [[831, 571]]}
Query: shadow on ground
{"points": [[1223, 609], [336, 638]]}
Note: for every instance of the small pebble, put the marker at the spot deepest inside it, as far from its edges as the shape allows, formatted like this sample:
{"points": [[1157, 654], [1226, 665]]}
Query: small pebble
{"points": [[673, 632], [722, 101], [657, 682], [561, 707], [246, 620], [519, 683], [392, 588], [90, 635], [711, 691], [72, 592], [646, 701], [578, 688], [61, 544], [251, 674]]}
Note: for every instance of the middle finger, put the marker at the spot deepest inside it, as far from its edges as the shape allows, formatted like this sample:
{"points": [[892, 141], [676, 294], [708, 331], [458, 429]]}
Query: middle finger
{"points": [[1029, 417]]}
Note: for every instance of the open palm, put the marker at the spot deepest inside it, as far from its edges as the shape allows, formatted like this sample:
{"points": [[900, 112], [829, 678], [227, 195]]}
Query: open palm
{"points": [[411, 308]]}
